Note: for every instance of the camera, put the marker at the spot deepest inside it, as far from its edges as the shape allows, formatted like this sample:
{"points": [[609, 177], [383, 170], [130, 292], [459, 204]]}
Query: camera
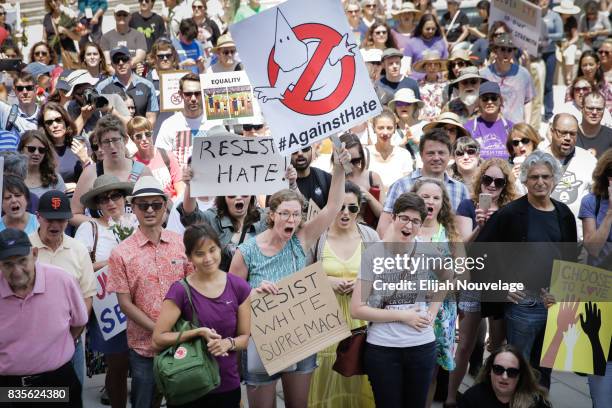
{"points": [[92, 97]]}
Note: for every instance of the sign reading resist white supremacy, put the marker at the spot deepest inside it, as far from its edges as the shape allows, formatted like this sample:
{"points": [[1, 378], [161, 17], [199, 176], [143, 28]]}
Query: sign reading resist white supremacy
{"points": [[524, 20], [231, 165], [306, 71]]}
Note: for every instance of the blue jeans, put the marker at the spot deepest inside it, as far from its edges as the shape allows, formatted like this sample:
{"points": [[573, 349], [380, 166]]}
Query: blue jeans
{"points": [[525, 326], [601, 388], [400, 377], [143, 381], [549, 102], [78, 360]]}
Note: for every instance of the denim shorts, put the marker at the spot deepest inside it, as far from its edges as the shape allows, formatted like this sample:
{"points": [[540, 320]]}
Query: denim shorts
{"points": [[306, 366]]}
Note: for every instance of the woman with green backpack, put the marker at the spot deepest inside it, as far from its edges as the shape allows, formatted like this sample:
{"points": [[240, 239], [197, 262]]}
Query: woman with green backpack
{"points": [[222, 315]]}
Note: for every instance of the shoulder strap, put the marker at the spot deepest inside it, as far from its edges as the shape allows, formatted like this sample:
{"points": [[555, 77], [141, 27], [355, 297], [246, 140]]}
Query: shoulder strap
{"points": [[137, 168], [94, 230], [194, 316], [165, 158], [370, 179]]}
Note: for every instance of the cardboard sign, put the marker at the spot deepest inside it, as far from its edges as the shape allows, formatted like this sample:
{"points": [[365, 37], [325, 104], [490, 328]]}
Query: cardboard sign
{"points": [[106, 308], [524, 20], [306, 71], [231, 165], [577, 336], [228, 97], [301, 320], [170, 98], [313, 210]]}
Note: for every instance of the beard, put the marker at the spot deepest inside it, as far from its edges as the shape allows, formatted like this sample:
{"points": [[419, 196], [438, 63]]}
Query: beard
{"points": [[468, 98]]}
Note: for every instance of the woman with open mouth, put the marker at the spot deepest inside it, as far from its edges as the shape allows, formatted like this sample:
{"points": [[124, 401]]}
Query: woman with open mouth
{"points": [[439, 227], [400, 349], [15, 195], [42, 163], [339, 250], [276, 253]]}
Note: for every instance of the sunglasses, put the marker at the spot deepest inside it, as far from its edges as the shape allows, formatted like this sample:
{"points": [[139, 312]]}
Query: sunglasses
{"points": [[384, 32], [582, 89], [487, 180], [471, 81], [500, 370], [353, 208], [41, 53], [305, 150], [121, 59], [49, 122], [233, 197], [460, 64], [156, 205], [21, 88], [471, 151], [370, 6], [121, 15], [143, 135], [603, 52], [400, 104], [197, 7], [249, 128], [144, 1], [103, 199], [228, 52], [189, 95], [489, 98], [523, 141], [33, 149], [356, 161], [166, 56], [505, 49]]}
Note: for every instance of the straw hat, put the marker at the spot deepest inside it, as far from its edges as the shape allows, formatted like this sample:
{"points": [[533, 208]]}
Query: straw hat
{"points": [[147, 186], [429, 56], [467, 73], [104, 184], [567, 7], [407, 7], [447, 118], [225, 41], [460, 54], [405, 95]]}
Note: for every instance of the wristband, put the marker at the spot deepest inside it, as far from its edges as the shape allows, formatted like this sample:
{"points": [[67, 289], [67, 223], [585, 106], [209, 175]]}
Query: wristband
{"points": [[233, 343]]}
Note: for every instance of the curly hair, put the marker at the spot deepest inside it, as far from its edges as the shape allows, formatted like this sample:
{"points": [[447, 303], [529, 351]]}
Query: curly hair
{"points": [[49, 163], [71, 129], [252, 215], [446, 214], [600, 178], [508, 193], [104, 69]]}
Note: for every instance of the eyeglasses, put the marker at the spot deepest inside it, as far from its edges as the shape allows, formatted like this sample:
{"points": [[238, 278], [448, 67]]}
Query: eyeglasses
{"points": [[189, 95], [471, 81], [489, 98], [33, 149], [249, 128], [353, 208], [165, 56], [21, 88], [594, 109], [103, 199], [505, 49], [582, 89], [155, 205], [356, 161], [536, 177], [41, 53], [58, 120], [113, 140], [603, 52], [471, 151], [143, 135], [352, 11], [523, 141], [500, 370], [228, 52], [487, 180], [570, 133], [121, 15], [120, 59], [404, 219], [382, 32], [284, 215], [144, 1], [304, 150], [370, 6], [196, 7]]}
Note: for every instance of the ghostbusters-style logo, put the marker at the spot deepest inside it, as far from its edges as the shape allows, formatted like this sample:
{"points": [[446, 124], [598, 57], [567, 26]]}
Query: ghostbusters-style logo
{"points": [[56, 202], [180, 353], [311, 68]]}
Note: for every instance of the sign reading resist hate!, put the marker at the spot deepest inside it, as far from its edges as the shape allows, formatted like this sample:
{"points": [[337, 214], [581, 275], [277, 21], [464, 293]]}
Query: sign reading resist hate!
{"points": [[301, 320], [228, 165]]}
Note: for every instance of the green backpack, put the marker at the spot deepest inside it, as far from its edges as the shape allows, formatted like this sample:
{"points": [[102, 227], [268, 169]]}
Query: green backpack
{"points": [[186, 371]]}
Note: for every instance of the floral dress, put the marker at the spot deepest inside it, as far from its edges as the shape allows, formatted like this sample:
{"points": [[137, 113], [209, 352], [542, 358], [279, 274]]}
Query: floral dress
{"points": [[432, 94]]}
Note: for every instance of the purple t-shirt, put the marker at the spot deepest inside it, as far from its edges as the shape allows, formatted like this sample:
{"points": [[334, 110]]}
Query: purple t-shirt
{"points": [[492, 137], [220, 314], [416, 46]]}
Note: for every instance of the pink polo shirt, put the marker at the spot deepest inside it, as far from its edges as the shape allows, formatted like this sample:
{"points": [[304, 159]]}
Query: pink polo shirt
{"points": [[35, 330]]}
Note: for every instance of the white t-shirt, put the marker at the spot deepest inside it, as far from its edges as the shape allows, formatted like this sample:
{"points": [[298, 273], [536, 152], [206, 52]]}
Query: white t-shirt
{"points": [[397, 165], [106, 240], [177, 132], [174, 219]]}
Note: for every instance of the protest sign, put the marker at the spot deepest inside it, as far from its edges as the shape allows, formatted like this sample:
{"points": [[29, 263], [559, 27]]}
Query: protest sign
{"points": [[306, 71], [302, 319], [106, 308], [524, 20], [170, 98], [578, 330], [228, 97], [231, 165]]}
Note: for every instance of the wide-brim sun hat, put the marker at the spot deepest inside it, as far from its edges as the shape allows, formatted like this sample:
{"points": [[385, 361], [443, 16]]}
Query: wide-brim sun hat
{"points": [[407, 7], [104, 184], [467, 73], [225, 41], [405, 95], [447, 118], [567, 7], [431, 56], [147, 186], [460, 54]]}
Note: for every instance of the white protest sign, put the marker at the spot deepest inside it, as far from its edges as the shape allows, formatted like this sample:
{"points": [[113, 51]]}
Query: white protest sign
{"points": [[524, 20], [170, 98], [106, 308], [232, 165], [228, 97], [306, 71]]}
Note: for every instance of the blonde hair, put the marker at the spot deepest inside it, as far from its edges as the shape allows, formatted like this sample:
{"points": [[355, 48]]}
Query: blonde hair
{"points": [[508, 193], [138, 124]]}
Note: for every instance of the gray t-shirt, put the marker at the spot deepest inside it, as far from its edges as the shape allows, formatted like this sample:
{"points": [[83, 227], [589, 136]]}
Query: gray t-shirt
{"points": [[597, 145], [133, 40]]}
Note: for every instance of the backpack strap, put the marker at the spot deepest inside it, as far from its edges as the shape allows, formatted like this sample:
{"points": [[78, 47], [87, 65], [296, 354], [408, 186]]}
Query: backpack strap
{"points": [[194, 316], [165, 158], [137, 169], [94, 230]]}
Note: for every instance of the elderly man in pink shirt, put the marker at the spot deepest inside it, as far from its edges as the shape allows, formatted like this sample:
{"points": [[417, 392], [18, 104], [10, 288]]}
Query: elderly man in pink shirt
{"points": [[41, 314]]}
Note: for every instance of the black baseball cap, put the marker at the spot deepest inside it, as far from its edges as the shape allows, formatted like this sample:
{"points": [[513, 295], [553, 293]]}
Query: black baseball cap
{"points": [[122, 50], [54, 205], [14, 242]]}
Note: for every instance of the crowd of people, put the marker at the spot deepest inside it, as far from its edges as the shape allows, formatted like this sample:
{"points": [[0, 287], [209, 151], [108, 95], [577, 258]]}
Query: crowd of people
{"points": [[471, 146]]}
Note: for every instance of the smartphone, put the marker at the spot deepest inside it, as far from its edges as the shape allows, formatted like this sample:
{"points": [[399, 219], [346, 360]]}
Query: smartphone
{"points": [[11, 64], [484, 201]]}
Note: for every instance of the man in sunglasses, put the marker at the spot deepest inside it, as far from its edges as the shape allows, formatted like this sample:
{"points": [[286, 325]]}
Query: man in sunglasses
{"points": [[489, 127], [25, 113], [592, 135], [125, 81], [141, 270], [514, 81], [577, 164], [124, 36], [605, 58], [312, 182]]}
